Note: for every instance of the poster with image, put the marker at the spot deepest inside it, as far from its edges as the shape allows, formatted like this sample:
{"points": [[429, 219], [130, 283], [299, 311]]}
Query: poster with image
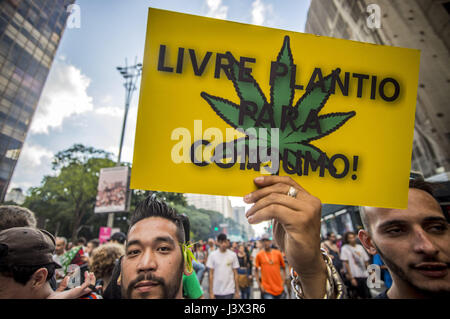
{"points": [[113, 190]]}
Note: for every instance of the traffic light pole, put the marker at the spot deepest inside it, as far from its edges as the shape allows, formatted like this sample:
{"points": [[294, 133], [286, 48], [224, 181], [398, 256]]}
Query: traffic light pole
{"points": [[131, 75]]}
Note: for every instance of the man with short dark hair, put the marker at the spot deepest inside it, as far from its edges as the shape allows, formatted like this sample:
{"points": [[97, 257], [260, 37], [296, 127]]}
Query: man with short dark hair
{"points": [[26, 266], [118, 238], [91, 245], [153, 265], [223, 277], [413, 243]]}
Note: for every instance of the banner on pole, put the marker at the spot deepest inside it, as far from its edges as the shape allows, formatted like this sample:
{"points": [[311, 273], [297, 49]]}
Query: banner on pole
{"points": [[113, 190]]}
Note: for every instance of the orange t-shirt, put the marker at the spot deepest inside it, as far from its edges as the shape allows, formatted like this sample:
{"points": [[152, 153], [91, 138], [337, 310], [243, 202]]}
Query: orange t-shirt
{"points": [[270, 264]]}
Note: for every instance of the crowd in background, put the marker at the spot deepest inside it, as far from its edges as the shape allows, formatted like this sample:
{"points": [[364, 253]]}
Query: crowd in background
{"points": [[252, 269]]}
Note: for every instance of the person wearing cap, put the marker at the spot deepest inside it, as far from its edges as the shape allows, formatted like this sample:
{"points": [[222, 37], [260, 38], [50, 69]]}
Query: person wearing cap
{"points": [[271, 264], [27, 265]]}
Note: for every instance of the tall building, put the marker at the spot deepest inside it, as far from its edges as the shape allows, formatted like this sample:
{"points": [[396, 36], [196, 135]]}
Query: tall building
{"points": [[239, 215], [418, 24], [15, 195], [30, 31], [221, 204]]}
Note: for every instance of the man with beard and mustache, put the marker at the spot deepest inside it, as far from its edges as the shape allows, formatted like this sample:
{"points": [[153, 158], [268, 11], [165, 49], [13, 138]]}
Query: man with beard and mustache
{"points": [[413, 243], [153, 265]]}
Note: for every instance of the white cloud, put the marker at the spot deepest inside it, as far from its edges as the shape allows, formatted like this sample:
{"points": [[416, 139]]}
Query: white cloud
{"points": [[34, 162], [216, 9], [260, 12], [33, 156], [23, 185], [63, 96], [113, 111], [106, 99]]}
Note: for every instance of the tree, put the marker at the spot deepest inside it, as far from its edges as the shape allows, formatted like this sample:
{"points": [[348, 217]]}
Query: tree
{"points": [[64, 203], [69, 196]]}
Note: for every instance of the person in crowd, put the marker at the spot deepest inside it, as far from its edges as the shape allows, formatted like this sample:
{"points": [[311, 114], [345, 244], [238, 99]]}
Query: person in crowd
{"points": [[413, 243], [113, 289], [153, 264], [417, 259], [27, 265], [199, 269], [234, 247], [296, 218], [102, 262], [271, 264], [16, 216], [256, 250], [355, 260], [339, 242], [211, 245], [200, 256], [244, 272], [91, 245], [247, 249], [118, 238], [81, 241], [333, 251], [151, 212], [60, 250], [223, 277]]}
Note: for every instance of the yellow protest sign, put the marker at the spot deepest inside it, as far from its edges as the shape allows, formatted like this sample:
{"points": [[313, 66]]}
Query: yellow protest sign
{"points": [[223, 102]]}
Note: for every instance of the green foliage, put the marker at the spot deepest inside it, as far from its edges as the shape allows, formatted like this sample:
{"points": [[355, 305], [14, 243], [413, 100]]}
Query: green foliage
{"points": [[64, 202]]}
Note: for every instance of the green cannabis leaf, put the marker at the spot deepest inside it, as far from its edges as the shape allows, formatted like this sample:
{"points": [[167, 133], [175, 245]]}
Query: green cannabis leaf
{"points": [[294, 137]]}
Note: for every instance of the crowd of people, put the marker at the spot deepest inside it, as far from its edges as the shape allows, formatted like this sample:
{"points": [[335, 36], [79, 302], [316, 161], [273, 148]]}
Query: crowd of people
{"points": [[157, 259]]}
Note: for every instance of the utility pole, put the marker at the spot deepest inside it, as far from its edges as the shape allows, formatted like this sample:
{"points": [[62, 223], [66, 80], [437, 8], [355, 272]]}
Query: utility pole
{"points": [[131, 75]]}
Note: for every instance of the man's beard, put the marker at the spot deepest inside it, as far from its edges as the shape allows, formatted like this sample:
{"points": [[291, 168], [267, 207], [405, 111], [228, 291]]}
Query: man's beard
{"points": [[394, 268], [169, 290]]}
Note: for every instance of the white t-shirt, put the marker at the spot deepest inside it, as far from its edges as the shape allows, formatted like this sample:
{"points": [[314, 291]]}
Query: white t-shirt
{"points": [[356, 257], [223, 265]]}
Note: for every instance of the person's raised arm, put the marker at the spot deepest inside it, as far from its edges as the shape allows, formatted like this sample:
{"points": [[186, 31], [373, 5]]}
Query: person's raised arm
{"points": [[296, 227]]}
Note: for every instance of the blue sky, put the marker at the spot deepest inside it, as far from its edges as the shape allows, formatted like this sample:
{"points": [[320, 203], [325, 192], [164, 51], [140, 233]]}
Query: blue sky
{"points": [[83, 98]]}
